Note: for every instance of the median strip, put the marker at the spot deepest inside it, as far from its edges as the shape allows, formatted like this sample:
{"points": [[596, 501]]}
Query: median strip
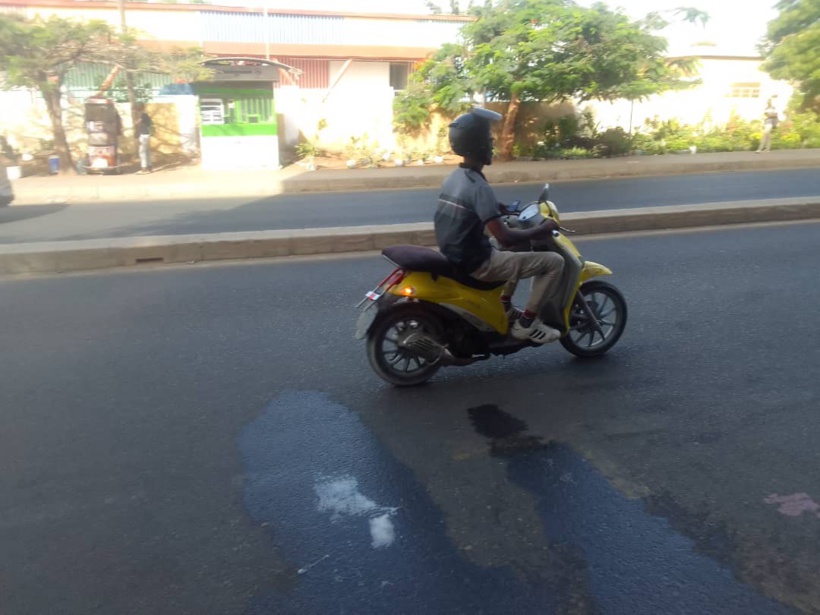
{"points": [[59, 256]]}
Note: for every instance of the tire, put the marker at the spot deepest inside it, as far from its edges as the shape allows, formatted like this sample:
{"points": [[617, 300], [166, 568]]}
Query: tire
{"points": [[605, 300], [387, 364]]}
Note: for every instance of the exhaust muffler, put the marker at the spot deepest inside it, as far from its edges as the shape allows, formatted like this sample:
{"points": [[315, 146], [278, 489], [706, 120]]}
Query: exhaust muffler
{"points": [[430, 350]]}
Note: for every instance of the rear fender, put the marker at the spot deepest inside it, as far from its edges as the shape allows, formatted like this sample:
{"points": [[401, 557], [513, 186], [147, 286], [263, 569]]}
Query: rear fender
{"points": [[481, 308]]}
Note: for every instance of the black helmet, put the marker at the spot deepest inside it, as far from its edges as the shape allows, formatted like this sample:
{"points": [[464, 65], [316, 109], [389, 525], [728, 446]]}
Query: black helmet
{"points": [[471, 134]]}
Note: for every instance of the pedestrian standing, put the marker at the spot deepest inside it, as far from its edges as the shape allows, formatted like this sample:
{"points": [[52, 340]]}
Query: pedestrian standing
{"points": [[144, 129], [770, 119]]}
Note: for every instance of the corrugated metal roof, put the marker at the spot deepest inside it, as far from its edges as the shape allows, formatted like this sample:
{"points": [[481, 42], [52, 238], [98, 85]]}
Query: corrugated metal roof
{"points": [[324, 30], [92, 75], [84, 80], [282, 29]]}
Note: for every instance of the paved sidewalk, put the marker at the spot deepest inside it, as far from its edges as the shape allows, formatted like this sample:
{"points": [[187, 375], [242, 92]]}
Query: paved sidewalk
{"points": [[193, 182]]}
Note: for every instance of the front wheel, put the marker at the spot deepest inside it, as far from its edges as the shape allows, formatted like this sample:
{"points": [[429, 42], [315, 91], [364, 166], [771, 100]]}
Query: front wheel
{"points": [[597, 326], [393, 363]]}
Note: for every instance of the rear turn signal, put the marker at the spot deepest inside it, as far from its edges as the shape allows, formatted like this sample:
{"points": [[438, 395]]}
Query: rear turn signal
{"points": [[408, 291]]}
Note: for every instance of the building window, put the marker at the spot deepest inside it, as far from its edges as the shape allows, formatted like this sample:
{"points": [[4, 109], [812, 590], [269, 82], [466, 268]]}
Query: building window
{"points": [[212, 111], [744, 90], [399, 72]]}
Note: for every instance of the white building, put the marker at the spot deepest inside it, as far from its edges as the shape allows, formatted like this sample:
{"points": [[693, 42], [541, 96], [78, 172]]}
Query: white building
{"points": [[730, 85], [349, 64]]}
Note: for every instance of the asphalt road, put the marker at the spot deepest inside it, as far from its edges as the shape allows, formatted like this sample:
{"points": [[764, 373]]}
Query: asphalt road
{"points": [[58, 222], [210, 439]]}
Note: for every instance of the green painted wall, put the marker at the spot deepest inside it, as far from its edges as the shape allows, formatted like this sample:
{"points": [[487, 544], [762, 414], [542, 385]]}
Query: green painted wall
{"points": [[253, 112], [240, 130]]}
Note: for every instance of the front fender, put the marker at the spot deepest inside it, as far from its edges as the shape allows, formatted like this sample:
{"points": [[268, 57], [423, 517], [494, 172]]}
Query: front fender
{"points": [[593, 270]]}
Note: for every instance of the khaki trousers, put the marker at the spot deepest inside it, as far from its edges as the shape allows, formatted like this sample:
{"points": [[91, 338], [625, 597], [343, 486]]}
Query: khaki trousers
{"points": [[544, 267]]}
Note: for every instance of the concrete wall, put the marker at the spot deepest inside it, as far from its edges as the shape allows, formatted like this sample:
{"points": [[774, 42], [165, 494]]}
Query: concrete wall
{"points": [[235, 153], [180, 131], [25, 123], [360, 76], [360, 104], [710, 101]]}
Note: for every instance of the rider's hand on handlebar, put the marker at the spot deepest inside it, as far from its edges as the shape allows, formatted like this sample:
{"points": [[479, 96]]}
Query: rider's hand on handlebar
{"points": [[548, 225]]}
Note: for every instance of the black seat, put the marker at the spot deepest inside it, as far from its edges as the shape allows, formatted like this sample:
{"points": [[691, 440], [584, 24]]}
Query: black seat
{"points": [[427, 260]]}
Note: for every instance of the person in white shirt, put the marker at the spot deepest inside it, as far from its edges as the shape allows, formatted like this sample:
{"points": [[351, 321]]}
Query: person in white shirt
{"points": [[771, 117]]}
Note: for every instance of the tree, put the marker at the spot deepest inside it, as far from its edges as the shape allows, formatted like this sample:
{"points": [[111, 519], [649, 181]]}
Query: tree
{"points": [[548, 50], [38, 53], [129, 58], [455, 7], [792, 45]]}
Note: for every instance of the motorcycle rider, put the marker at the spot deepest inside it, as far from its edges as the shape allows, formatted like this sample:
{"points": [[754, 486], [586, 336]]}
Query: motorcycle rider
{"points": [[467, 205]]}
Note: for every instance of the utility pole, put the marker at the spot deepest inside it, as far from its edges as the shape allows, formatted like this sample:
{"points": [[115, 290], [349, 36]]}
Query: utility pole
{"points": [[266, 28]]}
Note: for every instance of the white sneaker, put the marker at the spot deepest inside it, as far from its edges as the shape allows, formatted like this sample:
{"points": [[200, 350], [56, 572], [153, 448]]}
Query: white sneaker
{"points": [[537, 332]]}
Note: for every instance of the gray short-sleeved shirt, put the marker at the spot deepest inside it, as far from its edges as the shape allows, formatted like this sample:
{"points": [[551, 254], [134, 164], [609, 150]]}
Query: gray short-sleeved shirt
{"points": [[465, 205]]}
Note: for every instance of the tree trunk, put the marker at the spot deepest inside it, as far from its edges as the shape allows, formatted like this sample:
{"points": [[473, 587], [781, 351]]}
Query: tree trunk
{"points": [[129, 86], [55, 113], [508, 131], [135, 117]]}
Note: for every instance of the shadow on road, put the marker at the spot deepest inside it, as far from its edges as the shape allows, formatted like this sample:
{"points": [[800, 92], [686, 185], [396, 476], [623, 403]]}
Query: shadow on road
{"points": [[24, 212], [297, 211]]}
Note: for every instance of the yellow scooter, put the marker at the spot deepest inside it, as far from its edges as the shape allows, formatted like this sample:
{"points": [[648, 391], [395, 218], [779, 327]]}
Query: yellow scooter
{"points": [[426, 315]]}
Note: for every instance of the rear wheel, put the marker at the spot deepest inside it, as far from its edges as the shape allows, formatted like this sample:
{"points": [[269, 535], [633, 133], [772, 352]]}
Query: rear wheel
{"points": [[594, 332], [391, 362]]}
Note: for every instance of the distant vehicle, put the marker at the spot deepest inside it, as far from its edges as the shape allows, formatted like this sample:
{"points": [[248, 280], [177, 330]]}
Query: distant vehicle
{"points": [[6, 192]]}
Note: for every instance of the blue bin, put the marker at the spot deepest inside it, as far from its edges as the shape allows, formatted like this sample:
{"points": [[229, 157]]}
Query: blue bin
{"points": [[54, 164]]}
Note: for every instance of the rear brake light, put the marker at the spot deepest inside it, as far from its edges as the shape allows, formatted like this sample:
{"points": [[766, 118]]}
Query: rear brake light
{"points": [[394, 278]]}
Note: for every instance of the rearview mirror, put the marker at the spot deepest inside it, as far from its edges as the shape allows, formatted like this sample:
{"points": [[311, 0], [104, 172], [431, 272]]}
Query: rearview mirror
{"points": [[545, 194]]}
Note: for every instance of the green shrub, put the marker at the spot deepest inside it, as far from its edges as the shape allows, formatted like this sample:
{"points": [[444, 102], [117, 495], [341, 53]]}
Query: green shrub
{"points": [[805, 125], [411, 109], [575, 153], [558, 132], [800, 129], [812, 142], [647, 144], [613, 142], [786, 140], [363, 151], [306, 150], [523, 151]]}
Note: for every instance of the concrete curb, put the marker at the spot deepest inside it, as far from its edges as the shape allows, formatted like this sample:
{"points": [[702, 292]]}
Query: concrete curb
{"points": [[114, 189], [612, 169], [123, 252]]}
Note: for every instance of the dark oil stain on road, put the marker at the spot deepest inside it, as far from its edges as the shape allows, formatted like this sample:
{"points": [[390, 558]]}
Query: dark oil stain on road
{"points": [[625, 559]]}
